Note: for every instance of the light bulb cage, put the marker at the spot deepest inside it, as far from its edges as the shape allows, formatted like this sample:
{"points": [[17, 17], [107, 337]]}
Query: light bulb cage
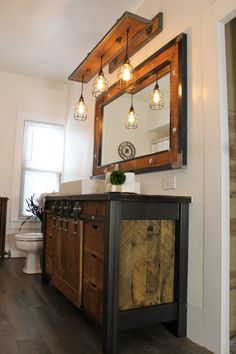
{"points": [[126, 73], [100, 84], [131, 124], [81, 109], [153, 102]]}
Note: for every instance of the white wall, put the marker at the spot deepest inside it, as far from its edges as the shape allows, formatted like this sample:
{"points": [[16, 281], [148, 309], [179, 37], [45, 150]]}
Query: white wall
{"points": [[23, 98], [206, 176]]}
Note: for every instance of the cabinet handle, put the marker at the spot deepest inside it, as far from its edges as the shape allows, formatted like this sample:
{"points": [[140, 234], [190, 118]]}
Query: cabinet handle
{"points": [[66, 225], [60, 224], [95, 227], [75, 229], [93, 256]]}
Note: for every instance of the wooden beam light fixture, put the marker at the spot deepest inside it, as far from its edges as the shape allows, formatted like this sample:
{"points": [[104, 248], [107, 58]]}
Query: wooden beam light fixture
{"points": [[112, 47]]}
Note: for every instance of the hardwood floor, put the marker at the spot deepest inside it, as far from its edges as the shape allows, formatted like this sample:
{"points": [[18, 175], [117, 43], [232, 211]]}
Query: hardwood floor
{"points": [[37, 319]]}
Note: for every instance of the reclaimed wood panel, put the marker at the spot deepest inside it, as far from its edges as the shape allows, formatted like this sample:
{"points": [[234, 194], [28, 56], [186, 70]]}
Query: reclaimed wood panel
{"points": [[92, 300], [74, 258], [146, 263], [94, 238], [93, 267], [96, 208]]}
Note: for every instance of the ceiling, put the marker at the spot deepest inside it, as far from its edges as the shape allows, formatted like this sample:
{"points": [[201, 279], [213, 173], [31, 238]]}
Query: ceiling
{"points": [[49, 38]]}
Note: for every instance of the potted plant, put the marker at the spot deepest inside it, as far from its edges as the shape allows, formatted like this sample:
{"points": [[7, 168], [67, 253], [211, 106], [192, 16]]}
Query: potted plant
{"points": [[34, 208], [117, 178]]}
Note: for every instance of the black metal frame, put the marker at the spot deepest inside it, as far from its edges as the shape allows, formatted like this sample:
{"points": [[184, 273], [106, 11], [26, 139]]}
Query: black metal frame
{"points": [[173, 314]]}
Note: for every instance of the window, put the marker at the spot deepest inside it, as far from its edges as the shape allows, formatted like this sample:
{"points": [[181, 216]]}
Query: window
{"points": [[42, 160]]}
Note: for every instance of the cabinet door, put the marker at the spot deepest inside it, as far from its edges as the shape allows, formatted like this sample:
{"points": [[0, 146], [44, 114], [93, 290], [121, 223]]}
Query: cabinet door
{"points": [[74, 258], [49, 243], [67, 261], [93, 269]]}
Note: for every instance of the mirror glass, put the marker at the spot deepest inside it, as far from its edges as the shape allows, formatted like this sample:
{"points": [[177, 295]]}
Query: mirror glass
{"points": [[151, 135]]}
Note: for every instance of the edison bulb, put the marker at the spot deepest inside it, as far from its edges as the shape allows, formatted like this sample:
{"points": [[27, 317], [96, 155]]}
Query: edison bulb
{"points": [[126, 74], [156, 96], [81, 107], [80, 111], [156, 99], [100, 85], [131, 117]]}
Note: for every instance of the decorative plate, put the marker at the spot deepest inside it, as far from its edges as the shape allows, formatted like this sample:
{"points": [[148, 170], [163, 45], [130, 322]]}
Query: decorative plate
{"points": [[126, 150]]}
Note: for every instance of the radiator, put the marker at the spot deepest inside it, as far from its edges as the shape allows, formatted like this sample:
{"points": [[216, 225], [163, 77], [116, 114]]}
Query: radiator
{"points": [[3, 221]]}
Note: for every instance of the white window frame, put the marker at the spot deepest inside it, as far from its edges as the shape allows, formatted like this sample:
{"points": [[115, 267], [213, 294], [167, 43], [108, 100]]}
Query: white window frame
{"points": [[25, 166], [19, 140]]}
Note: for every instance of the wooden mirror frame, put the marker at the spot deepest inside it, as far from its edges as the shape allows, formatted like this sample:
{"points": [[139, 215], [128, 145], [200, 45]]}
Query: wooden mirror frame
{"points": [[173, 55]]}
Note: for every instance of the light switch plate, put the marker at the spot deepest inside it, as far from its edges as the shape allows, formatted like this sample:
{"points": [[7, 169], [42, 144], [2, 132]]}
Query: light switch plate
{"points": [[169, 182]]}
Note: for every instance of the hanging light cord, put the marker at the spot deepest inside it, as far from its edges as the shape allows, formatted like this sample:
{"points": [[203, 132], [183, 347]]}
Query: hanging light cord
{"points": [[132, 100], [127, 44], [100, 71], [157, 85], [82, 86]]}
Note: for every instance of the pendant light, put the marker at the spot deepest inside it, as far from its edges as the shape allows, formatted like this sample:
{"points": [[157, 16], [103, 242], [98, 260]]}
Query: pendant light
{"points": [[156, 100], [125, 73], [81, 110], [100, 84], [131, 119]]}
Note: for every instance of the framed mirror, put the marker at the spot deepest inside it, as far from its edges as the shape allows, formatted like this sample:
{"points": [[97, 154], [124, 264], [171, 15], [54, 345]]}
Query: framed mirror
{"points": [[159, 140]]}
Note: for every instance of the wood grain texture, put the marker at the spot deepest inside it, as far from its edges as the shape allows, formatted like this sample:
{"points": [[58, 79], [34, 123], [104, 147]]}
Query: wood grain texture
{"points": [[49, 243], [146, 263], [66, 269]]}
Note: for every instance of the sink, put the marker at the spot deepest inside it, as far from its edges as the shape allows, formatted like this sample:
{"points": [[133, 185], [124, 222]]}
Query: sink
{"points": [[83, 186]]}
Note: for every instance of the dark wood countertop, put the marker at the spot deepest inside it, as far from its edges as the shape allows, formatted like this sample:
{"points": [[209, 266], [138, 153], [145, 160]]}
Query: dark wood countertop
{"points": [[130, 197]]}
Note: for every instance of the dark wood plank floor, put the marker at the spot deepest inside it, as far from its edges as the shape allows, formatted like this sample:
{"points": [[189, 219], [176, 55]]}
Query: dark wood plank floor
{"points": [[37, 319]]}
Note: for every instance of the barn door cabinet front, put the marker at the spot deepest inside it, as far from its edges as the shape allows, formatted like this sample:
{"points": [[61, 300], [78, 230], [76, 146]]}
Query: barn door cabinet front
{"points": [[120, 258]]}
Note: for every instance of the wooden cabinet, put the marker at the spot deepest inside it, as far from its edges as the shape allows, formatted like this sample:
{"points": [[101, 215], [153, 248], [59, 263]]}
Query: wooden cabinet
{"points": [[62, 255], [120, 258]]}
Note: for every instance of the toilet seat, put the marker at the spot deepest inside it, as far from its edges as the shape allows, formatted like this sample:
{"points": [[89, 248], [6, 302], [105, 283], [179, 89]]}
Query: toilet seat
{"points": [[29, 237]]}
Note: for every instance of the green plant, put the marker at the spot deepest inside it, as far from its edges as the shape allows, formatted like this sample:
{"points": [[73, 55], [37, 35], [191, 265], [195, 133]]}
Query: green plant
{"points": [[33, 208], [117, 177]]}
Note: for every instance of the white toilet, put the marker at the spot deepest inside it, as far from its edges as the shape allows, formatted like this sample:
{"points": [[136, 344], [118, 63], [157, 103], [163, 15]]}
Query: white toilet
{"points": [[32, 245]]}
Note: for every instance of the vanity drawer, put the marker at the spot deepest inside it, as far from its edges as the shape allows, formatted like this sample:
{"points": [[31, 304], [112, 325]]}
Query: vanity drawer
{"points": [[92, 300], [93, 268], [94, 208], [94, 237]]}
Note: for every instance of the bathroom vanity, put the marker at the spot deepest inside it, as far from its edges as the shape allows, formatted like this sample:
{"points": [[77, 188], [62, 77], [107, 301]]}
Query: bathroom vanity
{"points": [[120, 258]]}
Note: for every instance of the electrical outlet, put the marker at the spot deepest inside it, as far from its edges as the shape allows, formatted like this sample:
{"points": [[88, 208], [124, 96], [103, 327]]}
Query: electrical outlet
{"points": [[169, 182]]}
